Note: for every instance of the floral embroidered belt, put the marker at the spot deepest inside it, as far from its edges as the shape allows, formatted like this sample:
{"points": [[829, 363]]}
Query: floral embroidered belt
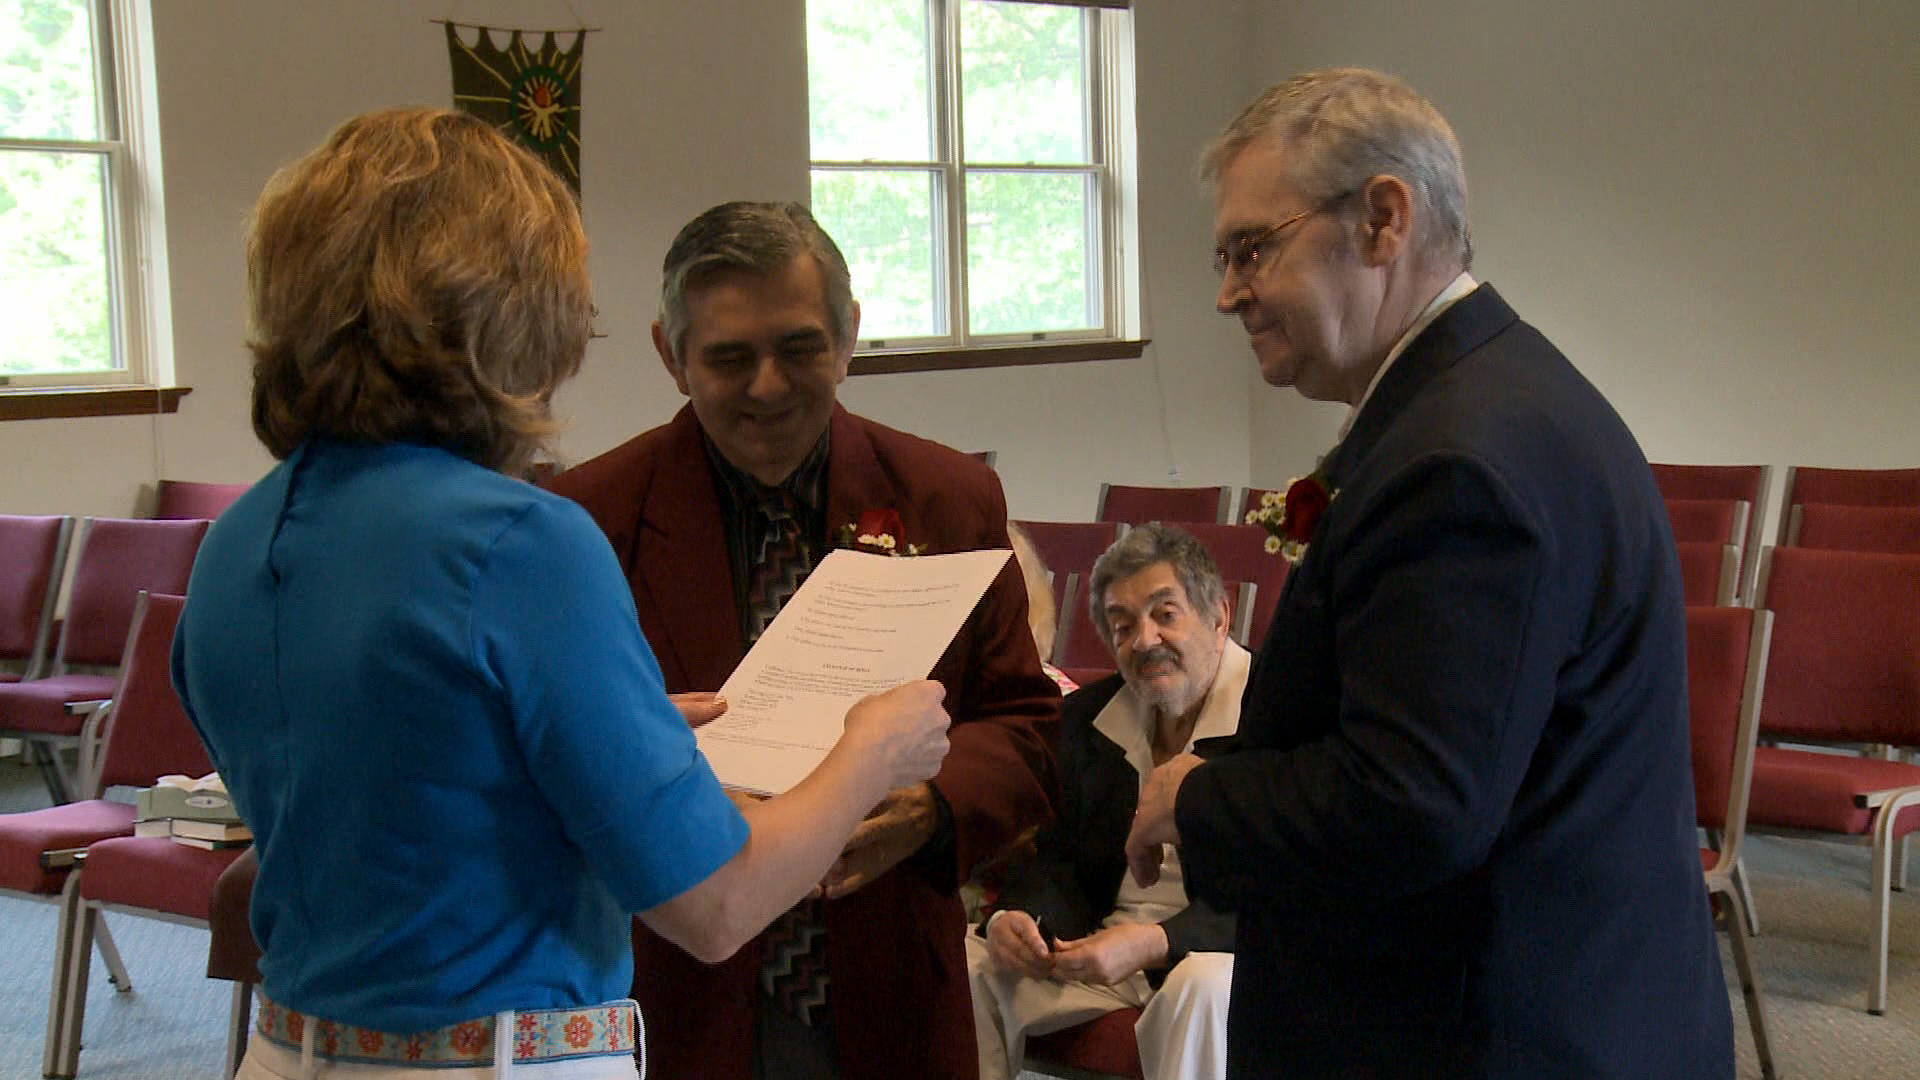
{"points": [[539, 1035]]}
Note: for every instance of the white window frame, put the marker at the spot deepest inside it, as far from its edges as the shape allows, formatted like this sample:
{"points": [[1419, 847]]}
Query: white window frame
{"points": [[1114, 273], [135, 217]]}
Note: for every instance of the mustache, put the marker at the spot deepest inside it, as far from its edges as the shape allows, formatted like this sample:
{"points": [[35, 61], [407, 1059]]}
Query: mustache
{"points": [[1155, 655]]}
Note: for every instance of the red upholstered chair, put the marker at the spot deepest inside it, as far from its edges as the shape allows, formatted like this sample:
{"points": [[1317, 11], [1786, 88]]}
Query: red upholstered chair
{"points": [[194, 499], [1100, 1049], [1726, 666], [232, 952], [1843, 670], [33, 558], [1071, 547], [1894, 530], [1711, 521], [1846, 487], [142, 735], [1077, 646], [117, 558], [142, 875], [1133, 505], [1747, 483], [1709, 573], [146, 735], [1240, 551]]}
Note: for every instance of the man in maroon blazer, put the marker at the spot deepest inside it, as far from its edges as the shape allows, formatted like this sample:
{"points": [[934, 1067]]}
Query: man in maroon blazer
{"points": [[757, 328]]}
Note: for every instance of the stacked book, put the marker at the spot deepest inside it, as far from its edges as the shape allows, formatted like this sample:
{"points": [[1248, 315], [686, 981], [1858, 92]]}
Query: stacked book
{"points": [[195, 811]]}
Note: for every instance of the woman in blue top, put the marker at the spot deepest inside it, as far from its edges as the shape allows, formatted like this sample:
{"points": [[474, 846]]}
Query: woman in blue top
{"points": [[424, 681]]}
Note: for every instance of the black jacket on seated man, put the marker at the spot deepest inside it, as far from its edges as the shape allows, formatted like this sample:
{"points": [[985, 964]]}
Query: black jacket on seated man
{"points": [[1073, 880]]}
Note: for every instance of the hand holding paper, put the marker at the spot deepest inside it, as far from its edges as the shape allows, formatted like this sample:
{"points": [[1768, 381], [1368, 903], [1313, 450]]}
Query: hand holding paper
{"points": [[861, 625]]}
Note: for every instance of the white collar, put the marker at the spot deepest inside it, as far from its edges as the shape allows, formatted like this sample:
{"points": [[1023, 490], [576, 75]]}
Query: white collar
{"points": [[1456, 290]]}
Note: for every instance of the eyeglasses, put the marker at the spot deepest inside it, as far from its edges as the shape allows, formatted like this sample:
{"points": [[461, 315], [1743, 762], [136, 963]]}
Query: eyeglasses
{"points": [[1242, 253]]}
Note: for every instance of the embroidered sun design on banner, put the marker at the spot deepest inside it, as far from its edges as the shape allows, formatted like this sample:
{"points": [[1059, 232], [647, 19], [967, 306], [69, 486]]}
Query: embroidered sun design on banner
{"points": [[530, 92]]}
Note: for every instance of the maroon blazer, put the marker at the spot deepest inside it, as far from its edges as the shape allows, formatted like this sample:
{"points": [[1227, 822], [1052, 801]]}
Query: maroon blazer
{"points": [[901, 1005]]}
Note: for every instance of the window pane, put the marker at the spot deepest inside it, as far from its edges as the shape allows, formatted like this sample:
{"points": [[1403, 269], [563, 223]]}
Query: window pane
{"points": [[46, 70], [55, 313], [867, 69], [885, 224], [1029, 241], [1023, 74]]}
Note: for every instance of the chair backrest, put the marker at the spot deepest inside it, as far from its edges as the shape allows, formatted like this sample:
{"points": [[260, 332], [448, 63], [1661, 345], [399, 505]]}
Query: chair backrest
{"points": [[1240, 551], [1715, 521], [33, 558], [117, 558], [1077, 643], [1071, 547], [1845, 487], [147, 732], [1726, 669], [1846, 634], [194, 499], [1747, 482], [1175, 505], [1894, 530], [1709, 573]]}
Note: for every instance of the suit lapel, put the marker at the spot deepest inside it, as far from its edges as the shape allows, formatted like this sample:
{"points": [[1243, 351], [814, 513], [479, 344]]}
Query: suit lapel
{"points": [[856, 482], [1459, 330], [681, 562]]}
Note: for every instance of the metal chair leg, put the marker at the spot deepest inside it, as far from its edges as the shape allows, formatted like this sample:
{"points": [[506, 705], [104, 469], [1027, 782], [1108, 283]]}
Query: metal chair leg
{"points": [[74, 1013], [1751, 913], [52, 774], [1749, 983], [239, 1025], [110, 955], [62, 971]]}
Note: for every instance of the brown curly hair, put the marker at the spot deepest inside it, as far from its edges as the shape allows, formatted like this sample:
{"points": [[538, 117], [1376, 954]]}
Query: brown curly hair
{"points": [[417, 278]]}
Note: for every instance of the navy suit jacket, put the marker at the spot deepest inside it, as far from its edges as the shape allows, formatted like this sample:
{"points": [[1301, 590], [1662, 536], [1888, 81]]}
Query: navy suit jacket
{"points": [[1458, 824]]}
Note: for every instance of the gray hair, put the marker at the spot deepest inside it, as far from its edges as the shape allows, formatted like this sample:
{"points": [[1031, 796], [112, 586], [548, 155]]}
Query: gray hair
{"points": [[1143, 546], [757, 237], [1342, 126]]}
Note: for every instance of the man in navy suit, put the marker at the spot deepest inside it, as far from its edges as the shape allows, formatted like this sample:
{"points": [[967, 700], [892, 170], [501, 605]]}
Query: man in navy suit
{"points": [[1458, 826]]}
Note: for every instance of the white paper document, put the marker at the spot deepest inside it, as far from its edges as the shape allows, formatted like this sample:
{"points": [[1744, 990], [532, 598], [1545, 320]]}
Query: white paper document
{"points": [[860, 624]]}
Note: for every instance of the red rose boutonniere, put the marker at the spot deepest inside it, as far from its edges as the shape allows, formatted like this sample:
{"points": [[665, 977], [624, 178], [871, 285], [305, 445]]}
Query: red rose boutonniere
{"points": [[878, 532], [1290, 518]]}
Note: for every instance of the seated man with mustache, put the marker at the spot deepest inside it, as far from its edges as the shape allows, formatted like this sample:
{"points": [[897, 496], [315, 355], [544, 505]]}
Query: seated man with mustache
{"points": [[1071, 936]]}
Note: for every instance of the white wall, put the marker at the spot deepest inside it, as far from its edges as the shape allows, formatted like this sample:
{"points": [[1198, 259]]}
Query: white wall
{"points": [[1707, 206], [1703, 204], [686, 105]]}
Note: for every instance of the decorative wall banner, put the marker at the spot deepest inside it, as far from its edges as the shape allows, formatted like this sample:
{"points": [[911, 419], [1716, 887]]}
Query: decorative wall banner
{"points": [[532, 94]]}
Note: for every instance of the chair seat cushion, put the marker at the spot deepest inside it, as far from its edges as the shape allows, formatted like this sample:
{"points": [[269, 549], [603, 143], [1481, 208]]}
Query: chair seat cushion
{"points": [[40, 706], [1103, 1045], [154, 873], [25, 835], [1806, 789]]}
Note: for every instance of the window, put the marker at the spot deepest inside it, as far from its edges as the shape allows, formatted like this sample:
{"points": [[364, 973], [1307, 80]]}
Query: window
{"points": [[970, 158], [75, 246]]}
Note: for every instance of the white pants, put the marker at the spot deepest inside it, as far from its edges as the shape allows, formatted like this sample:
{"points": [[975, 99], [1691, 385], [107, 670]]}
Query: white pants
{"points": [[268, 1060], [1182, 1029]]}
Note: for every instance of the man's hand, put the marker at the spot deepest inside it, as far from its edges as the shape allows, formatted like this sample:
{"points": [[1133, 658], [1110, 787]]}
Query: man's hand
{"points": [[1153, 824], [1014, 943], [903, 821], [699, 707], [1112, 955]]}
